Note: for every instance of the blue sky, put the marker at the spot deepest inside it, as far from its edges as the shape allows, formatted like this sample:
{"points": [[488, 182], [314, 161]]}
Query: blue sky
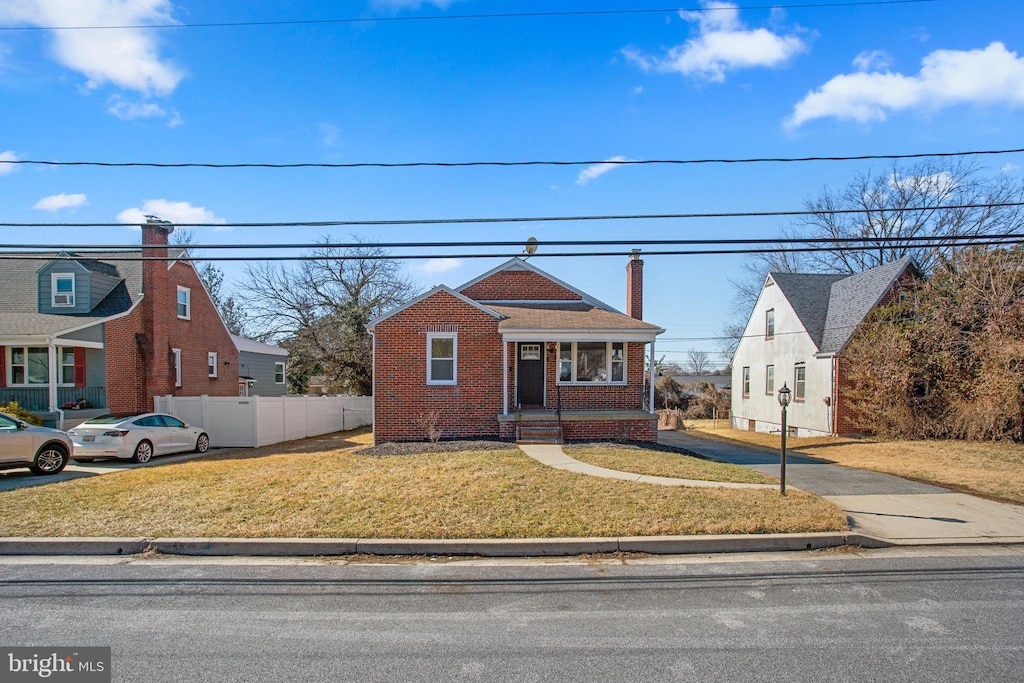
{"points": [[917, 77]]}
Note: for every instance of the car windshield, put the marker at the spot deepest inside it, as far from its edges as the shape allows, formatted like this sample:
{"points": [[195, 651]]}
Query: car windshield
{"points": [[105, 420]]}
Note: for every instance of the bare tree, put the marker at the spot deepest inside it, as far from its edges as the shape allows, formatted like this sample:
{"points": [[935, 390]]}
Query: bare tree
{"points": [[320, 309], [698, 362]]}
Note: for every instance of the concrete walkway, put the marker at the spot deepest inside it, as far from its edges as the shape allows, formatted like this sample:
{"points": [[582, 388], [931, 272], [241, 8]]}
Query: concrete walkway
{"points": [[877, 504], [554, 456]]}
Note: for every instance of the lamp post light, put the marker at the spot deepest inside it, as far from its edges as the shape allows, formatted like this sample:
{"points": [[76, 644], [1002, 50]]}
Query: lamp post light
{"points": [[784, 393]]}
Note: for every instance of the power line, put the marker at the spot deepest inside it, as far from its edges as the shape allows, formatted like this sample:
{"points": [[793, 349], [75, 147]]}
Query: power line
{"points": [[533, 219], [875, 243], [465, 164], [451, 17], [938, 243]]}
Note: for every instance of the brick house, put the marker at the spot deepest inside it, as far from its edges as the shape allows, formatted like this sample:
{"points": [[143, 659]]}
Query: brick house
{"points": [[514, 354], [97, 331], [797, 332]]}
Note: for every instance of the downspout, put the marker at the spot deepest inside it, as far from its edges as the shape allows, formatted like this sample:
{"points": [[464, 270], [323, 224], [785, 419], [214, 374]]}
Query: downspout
{"points": [[652, 377]]}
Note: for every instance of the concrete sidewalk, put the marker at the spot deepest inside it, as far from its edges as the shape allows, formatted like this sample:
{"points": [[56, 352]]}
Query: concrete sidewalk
{"points": [[554, 456], [879, 505]]}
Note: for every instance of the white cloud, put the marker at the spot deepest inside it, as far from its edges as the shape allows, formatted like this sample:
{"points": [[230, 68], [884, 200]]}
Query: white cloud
{"points": [[8, 168], [129, 111], [439, 265], [723, 44], [597, 170], [127, 58], [875, 60], [330, 134], [638, 90], [56, 202], [992, 75], [1009, 168], [937, 184], [175, 212]]}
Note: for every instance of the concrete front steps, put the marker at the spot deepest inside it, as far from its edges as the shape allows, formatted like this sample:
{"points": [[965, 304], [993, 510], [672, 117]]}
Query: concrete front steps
{"points": [[538, 433]]}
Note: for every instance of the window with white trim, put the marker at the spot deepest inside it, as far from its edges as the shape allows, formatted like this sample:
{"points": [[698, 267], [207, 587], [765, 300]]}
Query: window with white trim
{"points": [[28, 365], [769, 324], [62, 290], [592, 362], [442, 355], [176, 355], [278, 373], [67, 366], [800, 383], [769, 379], [211, 362], [746, 381], [184, 303]]}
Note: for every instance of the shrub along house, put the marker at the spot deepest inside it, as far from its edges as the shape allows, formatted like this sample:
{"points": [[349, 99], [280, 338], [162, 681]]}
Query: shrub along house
{"points": [[514, 353], [98, 333]]}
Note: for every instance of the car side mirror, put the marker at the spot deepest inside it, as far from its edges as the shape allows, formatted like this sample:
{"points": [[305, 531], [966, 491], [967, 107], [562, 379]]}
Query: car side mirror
{"points": [[22, 425]]}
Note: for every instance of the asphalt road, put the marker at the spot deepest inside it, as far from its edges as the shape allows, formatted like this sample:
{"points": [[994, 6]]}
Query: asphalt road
{"points": [[876, 616]]}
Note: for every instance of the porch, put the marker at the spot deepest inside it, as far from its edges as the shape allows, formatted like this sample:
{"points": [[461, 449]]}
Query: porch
{"points": [[37, 399]]}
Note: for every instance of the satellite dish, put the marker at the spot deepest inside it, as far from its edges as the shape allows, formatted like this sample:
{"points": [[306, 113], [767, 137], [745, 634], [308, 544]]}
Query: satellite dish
{"points": [[531, 246]]}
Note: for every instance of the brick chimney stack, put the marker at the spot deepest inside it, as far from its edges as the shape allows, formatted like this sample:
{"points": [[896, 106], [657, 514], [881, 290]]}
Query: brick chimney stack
{"points": [[635, 286], [155, 343]]}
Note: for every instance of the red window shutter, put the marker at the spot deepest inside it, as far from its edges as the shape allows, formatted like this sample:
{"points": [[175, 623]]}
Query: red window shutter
{"points": [[3, 366], [79, 367]]}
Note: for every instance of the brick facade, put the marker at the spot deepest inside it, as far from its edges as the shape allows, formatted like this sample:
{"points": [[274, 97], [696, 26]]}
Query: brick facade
{"points": [[139, 357], [522, 285], [635, 287], [471, 408]]}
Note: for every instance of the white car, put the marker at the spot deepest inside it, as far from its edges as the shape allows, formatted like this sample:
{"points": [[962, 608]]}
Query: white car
{"points": [[138, 438]]}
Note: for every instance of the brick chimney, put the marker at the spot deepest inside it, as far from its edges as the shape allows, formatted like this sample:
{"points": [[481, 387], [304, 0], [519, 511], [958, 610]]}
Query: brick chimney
{"points": [[635, 286], [156, 295]]}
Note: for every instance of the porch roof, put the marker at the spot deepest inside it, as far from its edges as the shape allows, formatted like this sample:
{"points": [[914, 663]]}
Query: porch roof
{"points": [[579, 317]]}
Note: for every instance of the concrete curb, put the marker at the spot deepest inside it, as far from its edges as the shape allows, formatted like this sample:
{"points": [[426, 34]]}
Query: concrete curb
{"points": [[482, 547]]}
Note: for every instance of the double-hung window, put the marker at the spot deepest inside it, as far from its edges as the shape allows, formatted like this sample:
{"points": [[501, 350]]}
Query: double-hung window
{"points": [[29, 365], [211, 362], [176, 357], [746, 381], [592, 362], [67, 366], [62, 287], [184, 303], [769, 324], [442, 355], [278, 373], [769, 379], [800, 383]]}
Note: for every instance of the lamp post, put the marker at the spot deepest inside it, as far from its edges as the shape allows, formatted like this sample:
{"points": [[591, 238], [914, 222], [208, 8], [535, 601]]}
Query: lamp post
{"points": [[784, 393]]}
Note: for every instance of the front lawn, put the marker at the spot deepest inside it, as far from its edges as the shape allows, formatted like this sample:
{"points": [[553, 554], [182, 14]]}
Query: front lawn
{"points": [[664, 463], [321, 488], [993, 470]]}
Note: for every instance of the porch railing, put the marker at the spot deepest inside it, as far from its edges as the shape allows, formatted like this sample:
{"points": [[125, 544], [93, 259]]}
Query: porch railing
{"points": [[36, 399]]}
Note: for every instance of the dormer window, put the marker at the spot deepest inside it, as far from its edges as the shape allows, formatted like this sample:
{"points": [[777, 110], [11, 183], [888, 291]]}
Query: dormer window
{"points": [[62, 290]]}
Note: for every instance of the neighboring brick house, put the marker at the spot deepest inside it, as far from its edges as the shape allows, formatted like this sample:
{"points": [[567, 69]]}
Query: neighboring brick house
{"points": [[514, 353], [99, 331], [796, 335]]}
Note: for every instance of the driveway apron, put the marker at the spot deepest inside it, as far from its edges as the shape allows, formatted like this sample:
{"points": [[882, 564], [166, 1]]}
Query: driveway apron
{"points": [[878, 504]]}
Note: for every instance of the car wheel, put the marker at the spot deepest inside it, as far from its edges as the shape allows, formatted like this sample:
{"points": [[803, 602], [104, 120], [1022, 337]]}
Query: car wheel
{"points": [[50, 459], [143, 452], [202, 443]]}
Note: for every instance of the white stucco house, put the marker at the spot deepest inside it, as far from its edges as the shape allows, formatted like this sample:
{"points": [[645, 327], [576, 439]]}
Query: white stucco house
{"points": [[796, 335]]}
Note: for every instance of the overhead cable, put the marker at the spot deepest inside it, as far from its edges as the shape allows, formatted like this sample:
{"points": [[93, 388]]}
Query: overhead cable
{"points": [[465, 164], [450, 17]]}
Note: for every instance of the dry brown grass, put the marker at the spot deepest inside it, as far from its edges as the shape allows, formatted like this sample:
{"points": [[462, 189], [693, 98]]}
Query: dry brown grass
{"points": [[321, 488], [993, 470], [665, 464]]}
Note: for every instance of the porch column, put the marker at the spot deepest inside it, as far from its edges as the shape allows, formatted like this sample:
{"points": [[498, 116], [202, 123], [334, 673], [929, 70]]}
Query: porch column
{"points": [[652, 377], [52, 375], [504, 376]]}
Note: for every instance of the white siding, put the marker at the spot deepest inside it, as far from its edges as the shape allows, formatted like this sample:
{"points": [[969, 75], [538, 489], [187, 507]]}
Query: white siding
{"points": [[790, 345]]}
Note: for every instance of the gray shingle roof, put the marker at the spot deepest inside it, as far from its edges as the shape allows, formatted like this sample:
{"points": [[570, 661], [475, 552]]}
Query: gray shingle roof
{"points": [[19, 294], [831, 306]]}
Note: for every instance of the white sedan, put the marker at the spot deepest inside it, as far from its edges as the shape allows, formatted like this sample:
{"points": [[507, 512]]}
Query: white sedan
{"points": [[138, 438]]}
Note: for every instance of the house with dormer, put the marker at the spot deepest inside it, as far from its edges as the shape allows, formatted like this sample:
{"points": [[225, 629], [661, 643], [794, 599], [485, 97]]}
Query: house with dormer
{"points": [[515, 353], [796, 335], [106, 332]]}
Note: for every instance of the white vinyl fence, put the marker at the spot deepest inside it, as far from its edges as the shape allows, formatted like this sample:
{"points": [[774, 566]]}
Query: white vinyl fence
{"points": [[263, 420]]}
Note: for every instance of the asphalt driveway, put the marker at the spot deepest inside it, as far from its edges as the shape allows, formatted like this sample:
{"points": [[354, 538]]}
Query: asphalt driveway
{"points": [[878, 504]]}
